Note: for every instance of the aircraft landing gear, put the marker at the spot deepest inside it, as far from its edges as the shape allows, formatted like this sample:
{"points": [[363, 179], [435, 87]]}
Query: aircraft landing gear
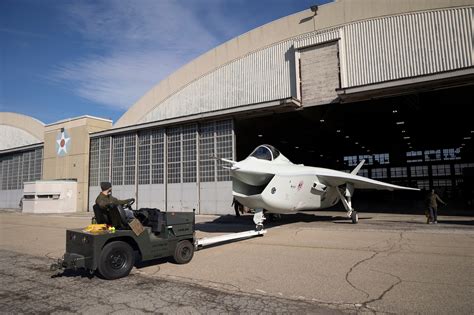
{"points": [[258, 219], [346, 201], [354, 217]]}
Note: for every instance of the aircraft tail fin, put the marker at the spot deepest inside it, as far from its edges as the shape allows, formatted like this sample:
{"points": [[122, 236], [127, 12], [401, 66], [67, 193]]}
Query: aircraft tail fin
{"points": [[358, 167]]}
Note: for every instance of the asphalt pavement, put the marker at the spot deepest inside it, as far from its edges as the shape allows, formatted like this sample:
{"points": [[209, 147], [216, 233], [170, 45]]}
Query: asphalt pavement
{"points": [[315, 262]]}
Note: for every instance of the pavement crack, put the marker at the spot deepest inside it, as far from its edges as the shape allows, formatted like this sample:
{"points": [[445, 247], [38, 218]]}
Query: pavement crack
{"points": [[394, 248], [355, 266], [385, 292]]}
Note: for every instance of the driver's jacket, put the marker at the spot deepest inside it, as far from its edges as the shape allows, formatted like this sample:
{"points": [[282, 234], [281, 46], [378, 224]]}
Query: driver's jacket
{"points": [[105, 200]]}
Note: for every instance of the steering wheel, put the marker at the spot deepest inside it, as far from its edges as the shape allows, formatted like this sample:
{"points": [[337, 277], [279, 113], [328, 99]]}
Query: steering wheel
{"points": [[130, 203]]}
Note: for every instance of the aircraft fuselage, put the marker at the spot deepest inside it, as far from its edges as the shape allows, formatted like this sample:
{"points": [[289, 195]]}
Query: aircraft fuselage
{"points": [[280, 187]]}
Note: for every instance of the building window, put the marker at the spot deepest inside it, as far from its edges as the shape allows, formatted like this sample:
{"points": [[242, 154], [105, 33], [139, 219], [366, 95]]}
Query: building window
{"points": [[441, 170], [129, 162], [104, 160], [397, 172], [382, 158], [117, 160], [39, 163], [414, 156], [442, 183], [224, 145], [17, 168], [174, 155], [94, 162], [451, 154], [419, 171], [432, 155], [350, 160], [369, 159], [458, 168], [423, 184], [379, 173], [5, 164], [157, 156], [144, 148], [189, 153], [206, 152]]}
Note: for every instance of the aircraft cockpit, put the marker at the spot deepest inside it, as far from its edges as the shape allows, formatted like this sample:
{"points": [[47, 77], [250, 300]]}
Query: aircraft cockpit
{"points": [[265, 152]]}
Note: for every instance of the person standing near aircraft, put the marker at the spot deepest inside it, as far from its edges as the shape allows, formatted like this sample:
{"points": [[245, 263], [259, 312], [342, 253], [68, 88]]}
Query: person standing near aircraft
{"points": [[237, 207], [433, 199]]}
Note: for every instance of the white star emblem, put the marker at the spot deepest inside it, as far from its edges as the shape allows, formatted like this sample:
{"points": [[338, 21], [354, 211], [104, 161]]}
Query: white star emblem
{"points": [[62, 142]]}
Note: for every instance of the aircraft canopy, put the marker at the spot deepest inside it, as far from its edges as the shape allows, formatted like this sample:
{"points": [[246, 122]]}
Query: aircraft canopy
{"points": [[265, 152]]}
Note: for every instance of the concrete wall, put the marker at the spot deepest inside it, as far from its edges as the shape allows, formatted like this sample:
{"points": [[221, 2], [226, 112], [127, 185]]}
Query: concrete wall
{"points": [[74, 164]]}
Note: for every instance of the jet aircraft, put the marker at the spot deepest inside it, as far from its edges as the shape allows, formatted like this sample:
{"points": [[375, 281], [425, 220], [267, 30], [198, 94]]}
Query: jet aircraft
{"points": [[266, 179]]}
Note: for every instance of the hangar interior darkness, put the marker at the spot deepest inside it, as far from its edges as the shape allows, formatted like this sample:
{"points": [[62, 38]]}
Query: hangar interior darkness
{"points": [[420, 140]]}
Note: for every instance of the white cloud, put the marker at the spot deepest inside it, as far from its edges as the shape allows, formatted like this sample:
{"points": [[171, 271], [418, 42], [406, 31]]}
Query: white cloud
{"points": [[141, 42]]}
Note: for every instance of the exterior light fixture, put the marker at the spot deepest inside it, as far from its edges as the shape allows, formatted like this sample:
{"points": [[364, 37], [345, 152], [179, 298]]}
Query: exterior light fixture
{"points": [[467, 138], [406, 138], [297, 147], [403, 131], [339, 130], [356, 142], [260, 136], [394, 111], [400, 122], [314, 8], [321, 120], [347, 137]]}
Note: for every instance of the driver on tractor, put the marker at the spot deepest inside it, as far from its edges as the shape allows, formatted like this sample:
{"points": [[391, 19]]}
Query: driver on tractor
{"points": [[105, 199]]}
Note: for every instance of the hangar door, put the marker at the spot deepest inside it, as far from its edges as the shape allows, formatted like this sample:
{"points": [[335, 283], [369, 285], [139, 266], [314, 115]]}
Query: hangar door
{"points": [[167, 168], [319, 74]]}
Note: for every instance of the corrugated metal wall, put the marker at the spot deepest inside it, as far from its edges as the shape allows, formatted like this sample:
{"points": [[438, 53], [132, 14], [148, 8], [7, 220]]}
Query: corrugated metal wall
{"points": [[316, 38], [407, 45], [258, 77], [371, 51]]}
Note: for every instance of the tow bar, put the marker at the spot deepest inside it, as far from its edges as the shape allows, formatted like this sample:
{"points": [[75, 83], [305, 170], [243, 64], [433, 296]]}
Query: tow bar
{"points": [[206, 241]]}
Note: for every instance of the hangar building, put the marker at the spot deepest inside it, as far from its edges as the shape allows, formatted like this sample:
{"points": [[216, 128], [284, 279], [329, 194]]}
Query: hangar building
{"points": [[386, 81]]}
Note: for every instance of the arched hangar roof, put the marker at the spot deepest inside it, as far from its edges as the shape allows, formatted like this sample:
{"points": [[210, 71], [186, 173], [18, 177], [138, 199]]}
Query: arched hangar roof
{"points": [[259, 66], [18, 130]]}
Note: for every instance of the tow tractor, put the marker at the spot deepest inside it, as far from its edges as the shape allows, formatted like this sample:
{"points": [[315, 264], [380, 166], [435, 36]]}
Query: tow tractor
{"points": [[113, 245]]}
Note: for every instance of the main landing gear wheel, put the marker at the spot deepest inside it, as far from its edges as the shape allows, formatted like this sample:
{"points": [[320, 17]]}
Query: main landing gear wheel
{"points": [[354, 217]]}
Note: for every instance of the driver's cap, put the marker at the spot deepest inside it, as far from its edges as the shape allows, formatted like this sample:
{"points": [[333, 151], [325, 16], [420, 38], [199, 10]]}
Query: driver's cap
{"points": [[105, 185]]}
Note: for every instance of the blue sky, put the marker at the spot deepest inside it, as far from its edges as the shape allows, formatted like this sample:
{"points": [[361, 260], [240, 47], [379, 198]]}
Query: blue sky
{"points": [[61, 59]]}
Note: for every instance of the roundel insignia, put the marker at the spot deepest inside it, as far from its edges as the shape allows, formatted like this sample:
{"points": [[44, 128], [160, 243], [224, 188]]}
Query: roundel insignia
{"points": [[63, 143]]}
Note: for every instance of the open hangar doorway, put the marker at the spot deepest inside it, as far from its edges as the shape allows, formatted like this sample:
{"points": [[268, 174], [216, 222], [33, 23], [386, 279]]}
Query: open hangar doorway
{"points": [[421, 140]]}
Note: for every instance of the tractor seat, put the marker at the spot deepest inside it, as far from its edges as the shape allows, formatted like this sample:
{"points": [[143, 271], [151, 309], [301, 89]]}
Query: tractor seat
{"points": [[118, 217], [101, 216]]}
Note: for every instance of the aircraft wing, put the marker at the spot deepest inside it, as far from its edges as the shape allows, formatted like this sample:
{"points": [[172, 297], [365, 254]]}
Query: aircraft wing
{"points": [[340, 178]]}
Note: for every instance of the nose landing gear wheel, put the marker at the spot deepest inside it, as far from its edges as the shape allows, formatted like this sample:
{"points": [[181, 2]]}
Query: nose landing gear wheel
{"points": [[354, 217]]}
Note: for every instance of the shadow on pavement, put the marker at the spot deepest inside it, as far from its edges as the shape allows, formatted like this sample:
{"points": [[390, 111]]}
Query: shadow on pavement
{"points": [[231, 223], [457, 222], [69, 273]]}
